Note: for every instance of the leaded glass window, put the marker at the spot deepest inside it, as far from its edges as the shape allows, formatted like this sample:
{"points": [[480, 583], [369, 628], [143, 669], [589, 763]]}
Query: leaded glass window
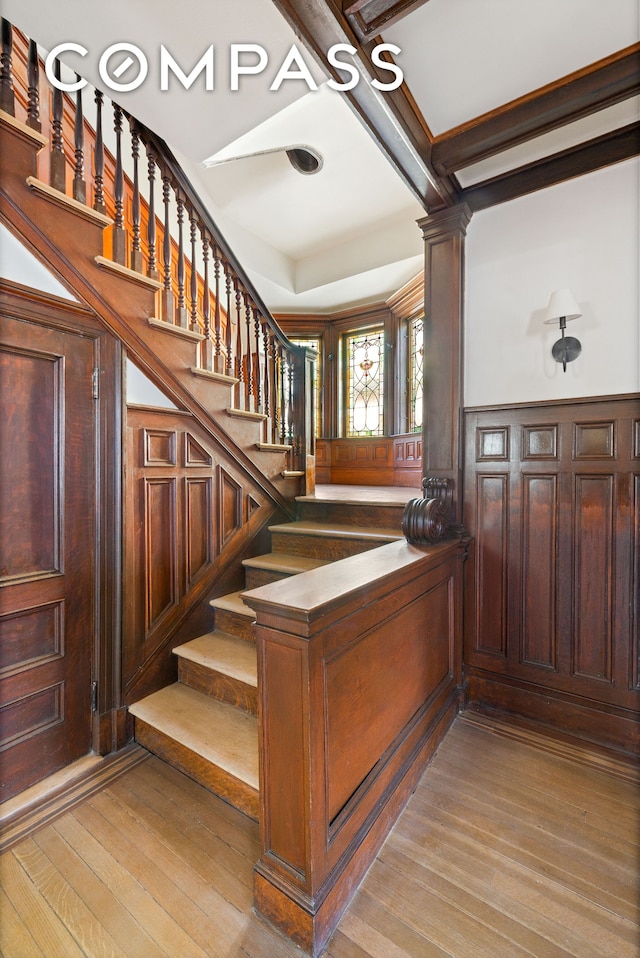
{"points": [[416, 373], [364, 362]]}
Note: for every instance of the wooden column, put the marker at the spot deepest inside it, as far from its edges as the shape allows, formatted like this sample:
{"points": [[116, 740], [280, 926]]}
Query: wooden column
{"points": [[444, 234]]}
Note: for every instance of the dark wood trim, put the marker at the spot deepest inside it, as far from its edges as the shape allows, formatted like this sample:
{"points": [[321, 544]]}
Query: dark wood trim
{"points": [[613, 147], [51, 802], [389, 116], [368, 17], [596, 87], [548, 403], [444, 235]]}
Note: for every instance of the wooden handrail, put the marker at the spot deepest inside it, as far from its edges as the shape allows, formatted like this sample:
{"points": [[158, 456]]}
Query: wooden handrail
{"points": [[174, 247]]}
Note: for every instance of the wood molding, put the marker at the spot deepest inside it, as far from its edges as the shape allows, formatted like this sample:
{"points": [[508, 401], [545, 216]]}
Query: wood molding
{"points": [[389, 116], [596, 87], [602, 151], [368, 17]]}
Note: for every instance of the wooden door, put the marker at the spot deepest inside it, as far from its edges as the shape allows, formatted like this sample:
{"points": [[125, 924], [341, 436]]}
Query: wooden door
{"points": [[47, 549]]}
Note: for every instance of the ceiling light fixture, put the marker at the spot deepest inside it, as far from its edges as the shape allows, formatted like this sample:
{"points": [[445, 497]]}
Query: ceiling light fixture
{"points": [[304, 160], [563, 307]]}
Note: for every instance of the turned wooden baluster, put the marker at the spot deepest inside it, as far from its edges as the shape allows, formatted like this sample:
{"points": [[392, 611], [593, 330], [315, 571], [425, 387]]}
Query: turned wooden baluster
{"points": [[119, 253], [193, 286], [289, 399], [239, 389], [136, 246], [168, 299], [207, 356], [247, 359], [228, 338], [282, 406], [256, 361], [7, 97], [219, 363], [33, 88], [266, 351], [79, 188], [181, 312], [275, 422], [98, 160], [58, 166], [152, 265]]}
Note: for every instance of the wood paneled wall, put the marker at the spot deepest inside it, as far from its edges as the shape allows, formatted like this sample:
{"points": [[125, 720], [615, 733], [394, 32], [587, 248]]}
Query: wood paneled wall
{"points": [[552, 498], [190, 516], [372, 461]]}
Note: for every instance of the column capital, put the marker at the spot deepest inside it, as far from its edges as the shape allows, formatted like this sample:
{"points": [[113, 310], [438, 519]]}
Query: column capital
{"points": [[449, 222]]}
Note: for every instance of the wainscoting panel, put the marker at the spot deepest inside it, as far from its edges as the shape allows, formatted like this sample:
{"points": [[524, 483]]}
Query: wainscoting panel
{"points": [[552, 499]]}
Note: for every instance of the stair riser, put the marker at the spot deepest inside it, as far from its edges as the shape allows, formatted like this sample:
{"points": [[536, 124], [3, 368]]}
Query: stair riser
{"points": [[225, 688], [239, 625], [320, 547], [217, 780], [352, 514], [257, 577]]}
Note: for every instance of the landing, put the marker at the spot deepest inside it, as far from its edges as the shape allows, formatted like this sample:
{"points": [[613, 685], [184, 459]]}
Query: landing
{"points": [[364, 495]]}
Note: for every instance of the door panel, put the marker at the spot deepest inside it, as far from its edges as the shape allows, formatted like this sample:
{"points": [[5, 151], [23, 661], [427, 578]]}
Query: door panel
{"points": [[47, 549]]}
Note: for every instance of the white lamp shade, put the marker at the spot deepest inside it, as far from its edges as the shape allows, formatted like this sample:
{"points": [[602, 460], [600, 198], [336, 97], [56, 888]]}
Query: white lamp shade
{"points": [[561, 303]]}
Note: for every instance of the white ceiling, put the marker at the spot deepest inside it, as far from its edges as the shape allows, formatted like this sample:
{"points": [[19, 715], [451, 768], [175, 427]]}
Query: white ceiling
{"points": [[347, 234]]}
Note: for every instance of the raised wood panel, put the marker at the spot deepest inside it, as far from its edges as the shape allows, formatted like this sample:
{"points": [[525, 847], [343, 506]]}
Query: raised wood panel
{"points": [[388, 461], [636, 439], [31, 397], [594, 440], [592, 588], [492, 509], [553, 592], [381, 681], [540, 442], [194, 453], [159, 447], [282, 667], [31, 636], [492, 444], [229, 507], [160, 558], [539, 570], [31, 714], [199, 545]]}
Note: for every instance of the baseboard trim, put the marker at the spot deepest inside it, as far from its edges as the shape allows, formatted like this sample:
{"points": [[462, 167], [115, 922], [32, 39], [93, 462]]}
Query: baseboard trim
{"points": [[40, 804]]}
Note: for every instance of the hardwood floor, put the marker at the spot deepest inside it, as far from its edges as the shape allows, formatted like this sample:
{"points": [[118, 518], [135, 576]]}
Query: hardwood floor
{"points": [[512, 845]]}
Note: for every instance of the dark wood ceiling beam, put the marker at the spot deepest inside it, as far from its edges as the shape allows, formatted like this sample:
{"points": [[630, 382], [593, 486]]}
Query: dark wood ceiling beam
{"points": [[389, 116], [593, 155], [368, 17], [600, 85]]}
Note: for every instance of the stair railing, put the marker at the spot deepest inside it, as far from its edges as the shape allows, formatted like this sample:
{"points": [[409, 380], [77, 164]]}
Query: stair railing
{"points": [[166, 233]]}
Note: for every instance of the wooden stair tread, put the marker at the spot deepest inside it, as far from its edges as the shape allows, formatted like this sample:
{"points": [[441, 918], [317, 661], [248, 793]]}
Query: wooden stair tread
{"points": [[337, 530], [232, 603], [282, 562], [223, 653], [223, 735]]}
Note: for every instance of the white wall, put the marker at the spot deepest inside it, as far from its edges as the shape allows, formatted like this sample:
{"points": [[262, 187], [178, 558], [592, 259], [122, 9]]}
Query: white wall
{"points": [[18, 264], [583, 234]]}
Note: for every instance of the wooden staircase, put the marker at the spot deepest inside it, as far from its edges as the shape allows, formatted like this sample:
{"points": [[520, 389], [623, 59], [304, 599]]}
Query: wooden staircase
{"points": [[206, 723]]}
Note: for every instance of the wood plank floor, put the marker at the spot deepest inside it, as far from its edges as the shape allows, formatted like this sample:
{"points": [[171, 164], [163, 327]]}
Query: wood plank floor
{"points": [[510, 846]]}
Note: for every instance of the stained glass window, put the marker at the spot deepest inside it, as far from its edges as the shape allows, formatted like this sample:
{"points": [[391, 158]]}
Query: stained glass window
{"points": [[364, 361], [416, 373]]}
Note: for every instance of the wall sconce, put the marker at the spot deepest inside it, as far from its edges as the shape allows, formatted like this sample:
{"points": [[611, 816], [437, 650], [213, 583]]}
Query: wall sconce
{"points": [[563, 307]]}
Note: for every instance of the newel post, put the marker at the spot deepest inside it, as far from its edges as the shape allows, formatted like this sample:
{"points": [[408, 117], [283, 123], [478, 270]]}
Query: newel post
{"points": [[444, 234]]}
